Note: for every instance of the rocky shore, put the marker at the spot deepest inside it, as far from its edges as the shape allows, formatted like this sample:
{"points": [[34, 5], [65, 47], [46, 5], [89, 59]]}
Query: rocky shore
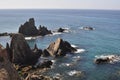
{"points": [[27, 63], [24, 61]]}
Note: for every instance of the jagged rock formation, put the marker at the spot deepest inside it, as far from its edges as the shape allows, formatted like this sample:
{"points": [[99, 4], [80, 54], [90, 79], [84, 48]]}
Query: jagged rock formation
{"points": [[20, 52], [37, 51], [44, 31], [29, 28], [7, 71], [60, 48]]}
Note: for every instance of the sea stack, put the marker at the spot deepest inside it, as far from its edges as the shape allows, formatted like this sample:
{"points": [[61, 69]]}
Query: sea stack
{"points": [[20, 52], [7, 71], [28, 28], [60, 48]]}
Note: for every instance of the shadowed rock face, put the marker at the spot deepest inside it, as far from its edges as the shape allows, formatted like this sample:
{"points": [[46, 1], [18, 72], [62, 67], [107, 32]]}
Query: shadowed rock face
{"points": [[7, 71], [44, 31], [60, 48], [102, 60], [29, 28], [20, 52]]}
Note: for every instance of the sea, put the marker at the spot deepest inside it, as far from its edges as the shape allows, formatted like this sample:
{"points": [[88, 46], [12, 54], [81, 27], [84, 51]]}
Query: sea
{"points": [[104, 40]]}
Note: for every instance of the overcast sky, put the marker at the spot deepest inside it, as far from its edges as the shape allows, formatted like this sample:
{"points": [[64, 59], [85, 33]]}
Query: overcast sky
{"points": [[60, 4]]}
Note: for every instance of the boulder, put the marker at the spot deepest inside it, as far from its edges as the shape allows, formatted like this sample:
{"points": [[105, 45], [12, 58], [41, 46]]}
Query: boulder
{"points": [[60, 48], [44, 31], [102, 60], [7, 71], [20, 52], [46, 64], [28, 28], [61, 30]]}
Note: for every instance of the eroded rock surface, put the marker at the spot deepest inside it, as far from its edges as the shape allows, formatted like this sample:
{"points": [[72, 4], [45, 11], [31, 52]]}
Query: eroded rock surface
{"points": [[60, 48], [7, 71], [29, 28], [20, 52]]}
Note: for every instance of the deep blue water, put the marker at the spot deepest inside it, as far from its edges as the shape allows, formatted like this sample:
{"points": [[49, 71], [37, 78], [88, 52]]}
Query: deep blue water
{"points": [[105, 39]]}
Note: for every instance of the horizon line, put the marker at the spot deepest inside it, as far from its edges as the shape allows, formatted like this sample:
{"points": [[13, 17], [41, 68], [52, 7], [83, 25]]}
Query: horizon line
{"points": [[52, 9]]}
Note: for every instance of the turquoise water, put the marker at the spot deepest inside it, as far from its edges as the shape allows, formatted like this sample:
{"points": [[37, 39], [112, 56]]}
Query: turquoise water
{"points": [[105, 39]]}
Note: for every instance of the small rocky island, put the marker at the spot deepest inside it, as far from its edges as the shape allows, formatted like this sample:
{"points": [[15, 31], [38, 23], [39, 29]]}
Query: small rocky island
{"points": [[87, 28], [29, 29]]}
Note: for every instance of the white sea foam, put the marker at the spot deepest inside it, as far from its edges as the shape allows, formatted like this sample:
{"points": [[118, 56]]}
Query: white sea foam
{"points": [[112, 58], [67, 30], [30, 38], [76, 58], [74, 72], [67, 64], [78, 50], [56, 33], [74, 46]]}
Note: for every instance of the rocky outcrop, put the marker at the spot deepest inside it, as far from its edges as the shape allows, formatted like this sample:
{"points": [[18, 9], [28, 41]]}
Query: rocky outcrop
{"points": [[4, 34], [60, 48], [20, 52], [44, 31], [107, 59], [61, 30], [36, 51], [7, 71], [88, 28], [102, 60], [29, 28]]}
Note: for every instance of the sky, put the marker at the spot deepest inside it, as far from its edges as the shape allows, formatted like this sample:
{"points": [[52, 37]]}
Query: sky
{"points": [[60, 4]]}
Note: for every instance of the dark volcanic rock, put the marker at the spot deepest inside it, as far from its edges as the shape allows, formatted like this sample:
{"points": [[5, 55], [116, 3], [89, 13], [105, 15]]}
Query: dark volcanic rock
{"points": [[61, 30], [46, 64], [36, 51], [102, 60], [7, 71], [4, 34], [20, 52], [29, 28], [60, 48], [44, 31]]}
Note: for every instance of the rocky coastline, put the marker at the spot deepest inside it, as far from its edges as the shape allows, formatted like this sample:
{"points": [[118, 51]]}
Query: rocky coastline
{"points": [[27, 63], [24, 59]]}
